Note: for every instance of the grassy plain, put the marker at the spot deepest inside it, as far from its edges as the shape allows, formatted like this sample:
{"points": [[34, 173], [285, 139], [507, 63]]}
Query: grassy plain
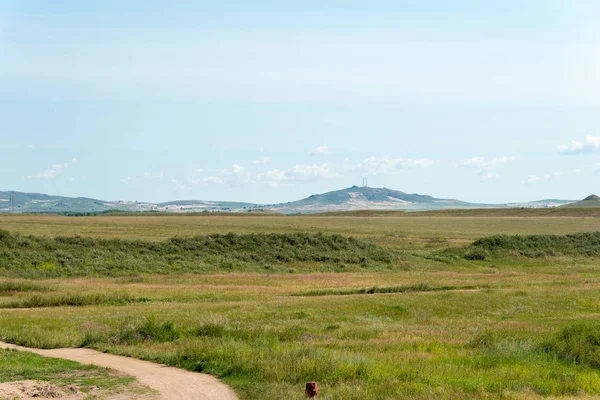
{"points": [[434, 325], [463, 226]]}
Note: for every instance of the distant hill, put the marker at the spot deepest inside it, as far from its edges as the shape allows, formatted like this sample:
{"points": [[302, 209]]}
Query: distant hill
{"points": [[42, 203], [591, 201], [201, 205], [547, 203], [349, 199], [367, 198], [36, 202]]}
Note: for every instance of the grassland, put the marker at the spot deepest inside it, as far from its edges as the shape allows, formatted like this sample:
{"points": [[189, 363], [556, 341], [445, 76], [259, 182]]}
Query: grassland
{"points": [[433, 324], [462, 225]]}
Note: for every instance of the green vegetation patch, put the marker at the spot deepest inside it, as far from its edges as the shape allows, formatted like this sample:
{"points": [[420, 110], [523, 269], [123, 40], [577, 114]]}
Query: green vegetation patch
{"points": [[579, 343], [585, 244], [75, 300], [31, 256], [11, 287], [420, 287]]}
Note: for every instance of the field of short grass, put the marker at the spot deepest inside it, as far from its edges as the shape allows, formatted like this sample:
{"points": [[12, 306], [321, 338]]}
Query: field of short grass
{"points": [[436, 324], [400, 230]]}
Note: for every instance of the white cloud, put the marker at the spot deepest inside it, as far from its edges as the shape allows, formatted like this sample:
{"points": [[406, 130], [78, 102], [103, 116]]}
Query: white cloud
{"points": [[589, 145], [387, 165], [150, 175], [261, 161], [531, 179], [272, 175], [485, 175], [469, 162], [212, 179], [320, 150], [232, 177], [369, 166], [481, 162], [486, 167], [298, 173], [311, 172], [54, 171], [126, 179]]}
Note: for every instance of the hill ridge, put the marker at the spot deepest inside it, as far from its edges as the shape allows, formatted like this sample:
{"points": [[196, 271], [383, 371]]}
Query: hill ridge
{"points": [[592, 201], [347, 199]]}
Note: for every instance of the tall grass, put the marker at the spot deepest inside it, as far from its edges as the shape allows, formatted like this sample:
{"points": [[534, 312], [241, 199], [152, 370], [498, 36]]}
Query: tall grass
{"points": [[9, 287], [420, 287], [579, 342], [74, 300], [577, 244], [30, 256]]}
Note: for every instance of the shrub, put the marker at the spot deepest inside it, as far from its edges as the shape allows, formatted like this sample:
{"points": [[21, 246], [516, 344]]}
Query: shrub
{"points": [[579, 244], [485, 341], [477, 254], [578, 343], [79, 256], [149, 330]]}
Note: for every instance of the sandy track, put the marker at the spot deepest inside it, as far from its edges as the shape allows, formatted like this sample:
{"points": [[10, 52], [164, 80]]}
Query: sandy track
{"points": [[171, 383]]}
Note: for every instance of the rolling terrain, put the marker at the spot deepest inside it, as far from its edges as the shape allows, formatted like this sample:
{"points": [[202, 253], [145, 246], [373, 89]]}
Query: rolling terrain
{"points": [[591, 201], [349, 199], [451, 304], [42, 203], [366, 198]]}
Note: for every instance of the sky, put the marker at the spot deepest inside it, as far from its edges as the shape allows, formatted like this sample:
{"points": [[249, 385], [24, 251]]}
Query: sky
{"points": [[270, 101]]}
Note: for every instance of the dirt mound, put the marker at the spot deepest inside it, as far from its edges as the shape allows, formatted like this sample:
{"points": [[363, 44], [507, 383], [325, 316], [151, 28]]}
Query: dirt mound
{"points": [[25, 390]]}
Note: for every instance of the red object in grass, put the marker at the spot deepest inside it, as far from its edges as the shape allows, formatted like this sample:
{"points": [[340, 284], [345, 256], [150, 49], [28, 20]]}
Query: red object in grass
{"points": [[312, 390]]}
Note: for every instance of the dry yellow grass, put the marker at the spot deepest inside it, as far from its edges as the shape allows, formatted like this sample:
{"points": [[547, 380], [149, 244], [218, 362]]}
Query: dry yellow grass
{"points": [[392, 229]]}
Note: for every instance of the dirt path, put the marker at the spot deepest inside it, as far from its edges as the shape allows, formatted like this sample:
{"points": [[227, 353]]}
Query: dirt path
{"points": [[172, 383]]}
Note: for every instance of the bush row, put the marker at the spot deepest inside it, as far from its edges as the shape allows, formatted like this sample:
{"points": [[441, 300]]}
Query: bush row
{"points": [[31, 256]]}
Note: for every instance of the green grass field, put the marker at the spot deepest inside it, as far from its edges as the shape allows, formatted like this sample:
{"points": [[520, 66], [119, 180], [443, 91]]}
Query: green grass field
{"points": [[424, 313]]}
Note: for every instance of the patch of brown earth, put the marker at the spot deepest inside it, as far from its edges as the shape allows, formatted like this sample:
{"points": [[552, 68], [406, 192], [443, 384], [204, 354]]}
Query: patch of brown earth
{"points": [[31, 390], [38, 390]]}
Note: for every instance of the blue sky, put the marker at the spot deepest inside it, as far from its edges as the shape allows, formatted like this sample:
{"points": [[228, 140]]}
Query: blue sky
{"points": [[270, 101]]}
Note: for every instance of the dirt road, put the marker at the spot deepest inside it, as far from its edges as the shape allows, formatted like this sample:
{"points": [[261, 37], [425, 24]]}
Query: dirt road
{"points": [[172, 383]]}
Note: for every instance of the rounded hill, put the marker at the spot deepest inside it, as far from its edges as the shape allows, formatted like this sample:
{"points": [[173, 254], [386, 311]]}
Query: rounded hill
{"points": [[592, 201]]}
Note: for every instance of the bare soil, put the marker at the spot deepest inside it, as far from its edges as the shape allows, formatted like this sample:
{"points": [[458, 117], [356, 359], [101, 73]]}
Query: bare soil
{"points": [[26, 390]]}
